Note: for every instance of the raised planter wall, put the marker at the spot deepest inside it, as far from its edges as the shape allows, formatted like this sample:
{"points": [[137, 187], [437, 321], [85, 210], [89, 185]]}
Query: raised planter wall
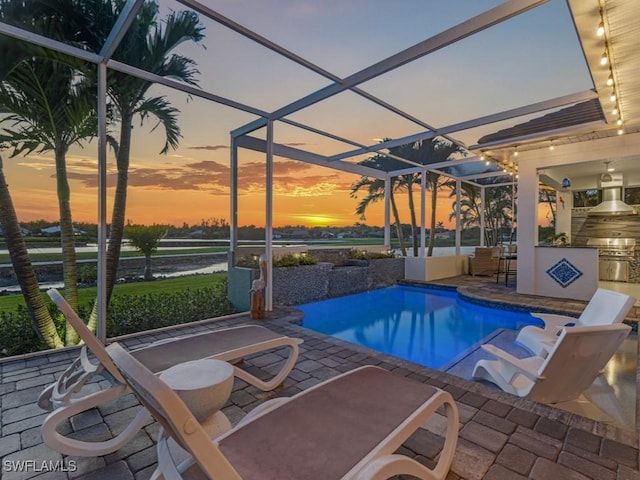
{"points": [[310, 283]]}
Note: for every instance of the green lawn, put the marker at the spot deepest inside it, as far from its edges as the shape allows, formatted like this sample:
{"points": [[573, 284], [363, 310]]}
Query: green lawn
{"points": [[9, 303]]}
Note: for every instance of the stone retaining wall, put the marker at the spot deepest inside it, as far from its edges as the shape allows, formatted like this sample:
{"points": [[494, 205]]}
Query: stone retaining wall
{"points": [[310, 283]]}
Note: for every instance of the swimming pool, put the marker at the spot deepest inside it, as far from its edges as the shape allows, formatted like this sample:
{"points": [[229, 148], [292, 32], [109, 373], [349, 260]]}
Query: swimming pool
{"points": [[428, 327]]}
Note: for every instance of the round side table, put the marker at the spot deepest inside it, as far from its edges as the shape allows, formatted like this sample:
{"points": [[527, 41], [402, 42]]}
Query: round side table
{"points": [[204, 385]]}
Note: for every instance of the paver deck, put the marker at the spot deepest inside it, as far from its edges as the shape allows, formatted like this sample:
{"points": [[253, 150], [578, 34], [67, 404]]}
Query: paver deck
{"points": [[501, 436]]}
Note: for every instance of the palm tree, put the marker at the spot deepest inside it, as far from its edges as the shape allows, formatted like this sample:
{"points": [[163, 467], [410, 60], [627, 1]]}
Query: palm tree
{"points": [[48, 107], [375, 193], [38, 311], [146, 240], [469, 205], [50, 110], [148, 46], [376, 190], [406, 183], [428, 152]]}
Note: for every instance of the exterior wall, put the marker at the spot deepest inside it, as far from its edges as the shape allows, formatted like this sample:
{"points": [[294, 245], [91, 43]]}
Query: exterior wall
{"points": [[529, 162], [567, 284], [434, 268]]}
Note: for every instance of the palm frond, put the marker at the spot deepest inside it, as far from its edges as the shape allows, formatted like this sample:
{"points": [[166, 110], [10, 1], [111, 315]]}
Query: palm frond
{"points": [[167, 117]]}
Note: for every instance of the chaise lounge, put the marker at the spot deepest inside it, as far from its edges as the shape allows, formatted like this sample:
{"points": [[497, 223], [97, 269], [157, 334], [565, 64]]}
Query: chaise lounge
{"points": [[575, 360], [65, 397], [348, 427], [605, 307]]}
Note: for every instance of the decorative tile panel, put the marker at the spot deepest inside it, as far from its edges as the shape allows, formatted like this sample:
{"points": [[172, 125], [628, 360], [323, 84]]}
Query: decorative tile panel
{"points": [[564, 273]]}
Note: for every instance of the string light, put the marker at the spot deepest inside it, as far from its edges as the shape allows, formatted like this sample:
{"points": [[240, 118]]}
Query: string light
{"points": [[600, 29], [604, 59], [619, 122], [613, 97], [515, 154], [615, 110], [620, 131], [551, 146], [610, 79]]}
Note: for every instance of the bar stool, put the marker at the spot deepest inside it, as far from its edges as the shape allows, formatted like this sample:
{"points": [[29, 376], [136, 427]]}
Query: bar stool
{"points": [[507, 254]]}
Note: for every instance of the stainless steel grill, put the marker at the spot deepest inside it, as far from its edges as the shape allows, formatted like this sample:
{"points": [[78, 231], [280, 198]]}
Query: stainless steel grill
{"points": [[619, 248], [614, 255]]}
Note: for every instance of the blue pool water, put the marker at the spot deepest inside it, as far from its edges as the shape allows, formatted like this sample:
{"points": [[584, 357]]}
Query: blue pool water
{"points": [[428, 327]]}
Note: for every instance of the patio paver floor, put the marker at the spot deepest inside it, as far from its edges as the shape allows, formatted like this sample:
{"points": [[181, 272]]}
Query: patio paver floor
{"points": [[501, 437]]}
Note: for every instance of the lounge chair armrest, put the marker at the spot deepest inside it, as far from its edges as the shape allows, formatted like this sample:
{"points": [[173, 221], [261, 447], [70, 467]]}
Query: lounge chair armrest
{"points": [[525, 366], [554, 321], [501, 354]]}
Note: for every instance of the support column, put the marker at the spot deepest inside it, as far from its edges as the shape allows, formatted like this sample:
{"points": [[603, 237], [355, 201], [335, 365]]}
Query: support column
{"points": [[101, 327], [527, 226], [268, 228], [233, 200], [423, 213], [387, 212], [482, 215], [458, 226]]}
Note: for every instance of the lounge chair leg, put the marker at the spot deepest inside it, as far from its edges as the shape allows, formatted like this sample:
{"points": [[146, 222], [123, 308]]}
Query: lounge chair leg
{"points": [[69, 446], [266, 386]]}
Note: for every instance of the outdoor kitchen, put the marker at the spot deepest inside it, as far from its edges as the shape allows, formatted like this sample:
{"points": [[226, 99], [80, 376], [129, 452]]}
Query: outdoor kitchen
{"points": [[604, 215]]}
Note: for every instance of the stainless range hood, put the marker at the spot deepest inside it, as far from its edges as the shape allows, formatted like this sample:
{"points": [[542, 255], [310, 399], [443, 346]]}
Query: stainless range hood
{"points": [[612, 203]]}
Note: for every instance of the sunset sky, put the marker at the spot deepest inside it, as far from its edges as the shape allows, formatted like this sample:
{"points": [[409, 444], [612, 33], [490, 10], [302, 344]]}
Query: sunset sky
{"points": [[530, 58]]}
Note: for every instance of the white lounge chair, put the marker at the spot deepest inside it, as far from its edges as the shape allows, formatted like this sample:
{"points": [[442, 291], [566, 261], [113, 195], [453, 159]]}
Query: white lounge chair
{"points": [[574, 362], [65, 397], [347, 427], [605, 307]]}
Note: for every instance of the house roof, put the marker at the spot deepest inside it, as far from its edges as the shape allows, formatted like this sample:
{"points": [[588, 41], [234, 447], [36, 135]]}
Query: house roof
{"points": [[581, 113]]}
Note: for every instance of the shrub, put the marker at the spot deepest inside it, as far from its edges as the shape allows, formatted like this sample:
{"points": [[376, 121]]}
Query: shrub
{"points": [[17, 335], [288, 260], [294, 260], [88, 274], [127, 314], [366, 255]]}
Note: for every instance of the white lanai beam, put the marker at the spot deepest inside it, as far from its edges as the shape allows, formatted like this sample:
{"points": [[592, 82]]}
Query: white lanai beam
{"points": [[279, 150], [46, 42], [476, 24], [250, 34], [504, 184], [345, 140], [119, 29], [437, 166], [477, 122], [497, 173]]}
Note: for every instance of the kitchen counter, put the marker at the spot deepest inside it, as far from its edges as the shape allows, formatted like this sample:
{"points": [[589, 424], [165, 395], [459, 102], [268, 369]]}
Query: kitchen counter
{"points": [[566, 272]]}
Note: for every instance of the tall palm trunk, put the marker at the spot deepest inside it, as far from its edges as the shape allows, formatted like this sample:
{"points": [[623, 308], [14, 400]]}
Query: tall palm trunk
{"points": [[396, 216], [42, 322], [67, 240]]}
